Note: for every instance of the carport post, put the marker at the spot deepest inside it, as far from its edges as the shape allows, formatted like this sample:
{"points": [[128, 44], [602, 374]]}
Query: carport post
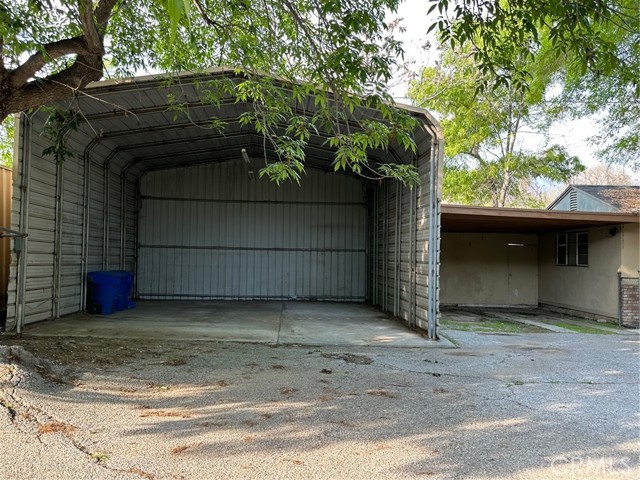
{"points": [[25, 178], [375, 245], [411, 255], [86, 212], [367, 245], [385, 227], [414, 251], [437, 153], [105, 220], [123, 215], [57, 245], [396, 265], [136, 241]]}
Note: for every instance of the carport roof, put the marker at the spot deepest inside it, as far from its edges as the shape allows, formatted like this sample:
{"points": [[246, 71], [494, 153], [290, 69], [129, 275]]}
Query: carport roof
{"points": [[460, 218], [131, 128]]}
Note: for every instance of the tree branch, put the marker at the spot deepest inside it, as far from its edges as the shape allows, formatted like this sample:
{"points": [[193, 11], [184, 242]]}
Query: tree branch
{"points": [[48, 52], [103, 13], [92, 37], [3, 69], [19, 94], [86, 69], [205, 16]]}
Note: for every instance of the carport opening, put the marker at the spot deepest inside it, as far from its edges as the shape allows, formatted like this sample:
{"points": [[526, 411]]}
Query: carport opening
{"points": [[185, 210]]}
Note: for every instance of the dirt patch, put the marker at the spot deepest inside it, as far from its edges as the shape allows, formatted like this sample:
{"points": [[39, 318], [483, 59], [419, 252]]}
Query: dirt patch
{"points": [[93, 352], [183, 448], [141, 473], [535, 348], [55, 427], [382, 393], [287, 392], [459, 353], [349, 358], [166, 413]]}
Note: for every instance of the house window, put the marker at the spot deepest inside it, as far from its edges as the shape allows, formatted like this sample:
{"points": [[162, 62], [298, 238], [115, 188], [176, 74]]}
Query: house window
{"points": [[572, 249]]}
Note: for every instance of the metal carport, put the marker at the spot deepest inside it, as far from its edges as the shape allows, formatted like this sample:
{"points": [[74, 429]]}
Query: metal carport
{"points": [[174, 202]]}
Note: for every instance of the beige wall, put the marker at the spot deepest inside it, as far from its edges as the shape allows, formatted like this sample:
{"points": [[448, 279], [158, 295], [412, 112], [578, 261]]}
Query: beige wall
{"points": [[482, 269], [592, 289], [630, 263]]}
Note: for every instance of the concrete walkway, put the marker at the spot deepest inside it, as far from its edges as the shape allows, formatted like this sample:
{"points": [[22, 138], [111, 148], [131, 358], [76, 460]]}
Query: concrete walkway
{"points": [[269, 322], [535, 317], [534, 323]]}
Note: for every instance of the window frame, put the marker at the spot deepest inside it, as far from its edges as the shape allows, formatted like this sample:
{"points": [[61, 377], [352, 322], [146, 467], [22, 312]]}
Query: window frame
{"points": [[572, 249]]}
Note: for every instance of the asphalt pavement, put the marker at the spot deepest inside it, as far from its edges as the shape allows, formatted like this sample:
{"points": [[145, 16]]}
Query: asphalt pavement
{"points": [[502, 406]]}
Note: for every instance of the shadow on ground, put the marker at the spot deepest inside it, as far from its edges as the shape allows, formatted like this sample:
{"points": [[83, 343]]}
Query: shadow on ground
{"points": [[518, 406]]}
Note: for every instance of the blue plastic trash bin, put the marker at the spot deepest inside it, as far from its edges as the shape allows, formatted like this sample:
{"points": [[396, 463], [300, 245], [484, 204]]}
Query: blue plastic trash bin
{"points": [[108, 291], [126, 285]]}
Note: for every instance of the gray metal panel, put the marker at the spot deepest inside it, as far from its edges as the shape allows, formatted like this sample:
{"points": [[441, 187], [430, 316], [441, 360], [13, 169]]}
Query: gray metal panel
{"points": [[131, 211], [96, 218], [115, 221], [41, 226], [71, 253], [211, 232], [399, 262]]}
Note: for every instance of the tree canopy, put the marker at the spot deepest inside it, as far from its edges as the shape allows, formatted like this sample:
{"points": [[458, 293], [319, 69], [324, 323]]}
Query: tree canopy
{"points": [[51, 49], [592, 47], [486, 161], [333, 50]]}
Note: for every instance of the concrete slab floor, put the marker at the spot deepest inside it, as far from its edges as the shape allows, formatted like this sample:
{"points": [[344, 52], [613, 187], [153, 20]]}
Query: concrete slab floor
{"points": [[269, 322]]}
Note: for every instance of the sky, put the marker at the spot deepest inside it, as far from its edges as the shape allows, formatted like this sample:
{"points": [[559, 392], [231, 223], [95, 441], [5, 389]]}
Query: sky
{"points": [[572, 135]]}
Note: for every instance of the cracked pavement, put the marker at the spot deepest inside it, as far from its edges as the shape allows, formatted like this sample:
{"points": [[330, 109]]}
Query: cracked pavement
{"points": [[522, 406]]}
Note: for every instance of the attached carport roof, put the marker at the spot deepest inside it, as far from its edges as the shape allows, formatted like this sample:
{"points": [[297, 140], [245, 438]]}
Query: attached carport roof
{"points": [[130, 126], [459, 218]]}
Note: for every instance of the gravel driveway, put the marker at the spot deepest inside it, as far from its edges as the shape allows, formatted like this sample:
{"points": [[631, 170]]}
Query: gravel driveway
{"points": [[550, 405]]}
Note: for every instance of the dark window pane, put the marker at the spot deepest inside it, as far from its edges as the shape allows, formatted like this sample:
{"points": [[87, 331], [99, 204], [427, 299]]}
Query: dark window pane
{"points": [[561, 249], [572, 254], [561, 258], [583, 249]]}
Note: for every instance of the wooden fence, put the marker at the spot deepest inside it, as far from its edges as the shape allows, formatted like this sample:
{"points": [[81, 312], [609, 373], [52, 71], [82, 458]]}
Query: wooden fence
{"points": [[5, 221]]}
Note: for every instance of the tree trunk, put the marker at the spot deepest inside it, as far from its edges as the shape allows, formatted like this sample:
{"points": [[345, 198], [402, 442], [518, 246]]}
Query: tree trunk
{"points": [[504, 190], [19, 91], [56, 87]]}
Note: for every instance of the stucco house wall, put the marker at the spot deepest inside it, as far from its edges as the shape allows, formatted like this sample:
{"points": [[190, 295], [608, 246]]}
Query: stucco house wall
{"points": [[488, 269], [591, 289], [630, 265]]}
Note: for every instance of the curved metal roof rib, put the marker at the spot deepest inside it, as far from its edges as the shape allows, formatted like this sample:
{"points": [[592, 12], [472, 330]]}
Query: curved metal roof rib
{"points": [[131, 128]]}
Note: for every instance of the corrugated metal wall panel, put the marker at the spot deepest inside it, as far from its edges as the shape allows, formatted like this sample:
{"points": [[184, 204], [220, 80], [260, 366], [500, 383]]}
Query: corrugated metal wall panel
{"points": [[399, 219], [71, 249], [211, 232], [421, 239], [96, 218], [54, 260], [41, 228], [115, 221], [131, 226]]}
